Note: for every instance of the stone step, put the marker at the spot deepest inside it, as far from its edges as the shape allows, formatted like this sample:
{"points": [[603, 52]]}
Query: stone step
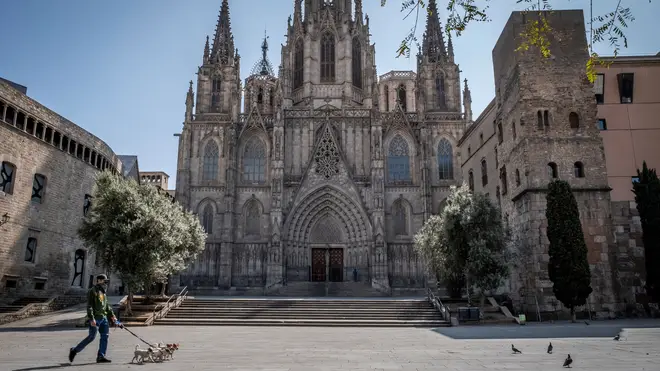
{"points": [[301, 322], [302, 310]]}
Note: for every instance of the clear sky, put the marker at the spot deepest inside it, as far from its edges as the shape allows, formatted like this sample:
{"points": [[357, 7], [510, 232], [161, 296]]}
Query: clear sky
{"points": [[120, 69]]}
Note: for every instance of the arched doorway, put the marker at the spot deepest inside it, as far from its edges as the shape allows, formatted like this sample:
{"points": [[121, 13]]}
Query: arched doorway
{"points": [[327, 243]]}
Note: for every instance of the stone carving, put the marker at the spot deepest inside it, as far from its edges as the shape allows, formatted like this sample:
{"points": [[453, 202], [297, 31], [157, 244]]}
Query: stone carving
{"points": [[327, 155], [278, 140]]}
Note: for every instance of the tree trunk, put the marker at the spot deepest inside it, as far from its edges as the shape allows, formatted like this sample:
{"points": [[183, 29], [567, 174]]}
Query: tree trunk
{"points": [[162, 288], [467, 287], [573, 315], [129, 301]]}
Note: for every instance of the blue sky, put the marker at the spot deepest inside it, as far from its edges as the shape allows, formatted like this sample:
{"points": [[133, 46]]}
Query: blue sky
{"points": [[120, 69]]}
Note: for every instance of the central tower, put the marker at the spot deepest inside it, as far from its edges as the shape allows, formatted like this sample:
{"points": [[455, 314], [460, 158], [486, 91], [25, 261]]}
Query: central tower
{"points": [[327, 58]]}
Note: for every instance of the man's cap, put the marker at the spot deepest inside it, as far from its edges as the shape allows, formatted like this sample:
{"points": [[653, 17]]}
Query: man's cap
{"points": [[102, 277]]}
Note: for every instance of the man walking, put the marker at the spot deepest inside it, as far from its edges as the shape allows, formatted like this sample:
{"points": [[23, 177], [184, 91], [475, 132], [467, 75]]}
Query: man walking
{"points": [[99, 313]]}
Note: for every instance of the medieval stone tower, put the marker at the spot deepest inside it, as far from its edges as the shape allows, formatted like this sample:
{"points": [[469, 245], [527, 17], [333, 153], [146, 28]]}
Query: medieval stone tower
{"points": [[545, 127], [321, 182]]}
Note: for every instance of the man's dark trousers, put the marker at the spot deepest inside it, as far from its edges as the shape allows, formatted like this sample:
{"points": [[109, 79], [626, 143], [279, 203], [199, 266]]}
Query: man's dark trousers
{"points": [[103, 328]]}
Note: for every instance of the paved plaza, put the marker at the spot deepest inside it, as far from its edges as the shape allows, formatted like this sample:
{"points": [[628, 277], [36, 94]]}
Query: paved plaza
{"points": [[462, 348]]}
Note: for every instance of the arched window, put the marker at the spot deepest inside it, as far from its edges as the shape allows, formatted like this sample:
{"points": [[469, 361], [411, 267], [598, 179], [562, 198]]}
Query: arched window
{"points": [[398, 161], [357, 63], [399, 219], [578, 169], [484, 172], [254, 161], [7, 171], [471, 180], [539, 120], [574, 120], [210, 161], [517, 177], [78, 268], [387, 98], [207, 219], [252, 219], [552, 170], [260, 96], [401, 97], [445, 160], [440, 92], [298, 64], [327, 57], [271, 97]]}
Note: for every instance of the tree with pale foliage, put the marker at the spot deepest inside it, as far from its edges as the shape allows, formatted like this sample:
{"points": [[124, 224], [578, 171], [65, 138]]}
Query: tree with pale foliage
{"points": [[138, 233], [607, 27], [467, 239]]}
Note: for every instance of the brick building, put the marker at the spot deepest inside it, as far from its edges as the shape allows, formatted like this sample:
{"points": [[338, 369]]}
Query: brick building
{"points": [[48, 169]]}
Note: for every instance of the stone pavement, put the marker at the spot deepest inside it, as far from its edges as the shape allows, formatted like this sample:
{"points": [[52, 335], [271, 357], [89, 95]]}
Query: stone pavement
{"points": [[464, 348]]}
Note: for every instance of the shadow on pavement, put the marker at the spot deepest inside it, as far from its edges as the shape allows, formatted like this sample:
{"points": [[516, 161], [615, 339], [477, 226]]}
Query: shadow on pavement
{"points": [[57, 326], [596, 329], [54, 367]]}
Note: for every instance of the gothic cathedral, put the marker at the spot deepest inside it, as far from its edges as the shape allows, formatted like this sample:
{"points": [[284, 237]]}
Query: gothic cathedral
{"points": [[323, 177]]}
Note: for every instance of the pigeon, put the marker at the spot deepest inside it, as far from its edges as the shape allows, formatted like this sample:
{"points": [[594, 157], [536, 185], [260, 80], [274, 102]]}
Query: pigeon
{"points": [[515, 350], [617, 337], [568, 361], [586, 323], [550, 348]]}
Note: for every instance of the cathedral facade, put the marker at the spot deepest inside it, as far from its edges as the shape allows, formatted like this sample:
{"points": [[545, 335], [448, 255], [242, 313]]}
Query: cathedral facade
{"points": [[328, 170]]}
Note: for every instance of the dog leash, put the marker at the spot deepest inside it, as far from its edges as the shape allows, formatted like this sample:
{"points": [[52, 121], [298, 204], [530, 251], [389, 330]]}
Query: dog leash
{"points": [[139, 338]]}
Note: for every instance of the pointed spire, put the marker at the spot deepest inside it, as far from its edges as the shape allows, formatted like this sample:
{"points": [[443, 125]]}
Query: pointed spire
{"points": [[297, 12], [263, 66], [433, 44], [207, 51], [190, 102], [467, 101], [358, 11], [450, 49], [223, 41]]}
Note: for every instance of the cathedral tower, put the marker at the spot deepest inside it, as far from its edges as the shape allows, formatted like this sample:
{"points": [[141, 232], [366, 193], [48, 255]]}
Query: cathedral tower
{"points": [[261, 84], [328, 58], [438, 77]]}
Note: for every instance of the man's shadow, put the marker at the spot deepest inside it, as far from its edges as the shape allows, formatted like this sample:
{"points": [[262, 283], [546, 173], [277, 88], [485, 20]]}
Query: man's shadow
{"points": [[55, 367]]}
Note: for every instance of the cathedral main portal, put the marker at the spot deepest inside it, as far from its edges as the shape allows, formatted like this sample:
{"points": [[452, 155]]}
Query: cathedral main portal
{"points": [[327, 264]]}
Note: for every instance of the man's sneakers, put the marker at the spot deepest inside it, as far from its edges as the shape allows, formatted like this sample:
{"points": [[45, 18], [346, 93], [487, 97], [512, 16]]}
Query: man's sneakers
{"points": [[102, 359], [72, 355]]}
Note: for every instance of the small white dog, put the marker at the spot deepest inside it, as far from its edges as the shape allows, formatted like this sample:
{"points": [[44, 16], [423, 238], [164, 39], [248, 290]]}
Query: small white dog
{"points": [[141, 354], [159, 352]]}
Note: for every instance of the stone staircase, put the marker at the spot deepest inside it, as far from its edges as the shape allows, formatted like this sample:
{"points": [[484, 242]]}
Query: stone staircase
{"points": [[329, 289], [18, 304], [338, 312]]}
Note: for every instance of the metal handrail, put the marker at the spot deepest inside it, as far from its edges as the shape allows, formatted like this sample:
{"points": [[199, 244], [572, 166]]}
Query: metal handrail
{"points": [[444, 310], [167, 307]]}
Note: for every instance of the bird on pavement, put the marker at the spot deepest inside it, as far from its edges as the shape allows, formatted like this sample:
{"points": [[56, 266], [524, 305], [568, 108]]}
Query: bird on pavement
{"points": [[617, 337], [550, 348], [515, 350], [568, 361], [586, 323]]}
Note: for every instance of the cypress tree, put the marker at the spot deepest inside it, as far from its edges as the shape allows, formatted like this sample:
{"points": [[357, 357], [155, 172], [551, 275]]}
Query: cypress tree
{"points": [[568, 266], [647, 196]]}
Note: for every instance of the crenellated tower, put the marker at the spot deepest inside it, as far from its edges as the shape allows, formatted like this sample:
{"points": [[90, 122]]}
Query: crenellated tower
{"points": [[438, 77], [328, 58]]}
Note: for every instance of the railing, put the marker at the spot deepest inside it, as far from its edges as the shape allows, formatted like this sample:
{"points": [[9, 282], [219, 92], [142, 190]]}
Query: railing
{"points": [[437, 304], [169, 304]]}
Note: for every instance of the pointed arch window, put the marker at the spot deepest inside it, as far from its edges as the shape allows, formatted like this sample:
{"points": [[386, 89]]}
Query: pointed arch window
{"points": [[328, 57], [399, 219], [471, 180], [207, 219], [401, 97], [445, 160], [216, 88], [357, 63], [260, 96], [271, 97], [440, 92], [252, 219], [254, 161], [298, 64], [210, 161], [398, 161], [387, 98], [484, 172]]}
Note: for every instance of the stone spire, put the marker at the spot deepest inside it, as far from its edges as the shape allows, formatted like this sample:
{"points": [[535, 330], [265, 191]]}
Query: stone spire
{"points": [[433, 44], [467, 102], [297, 13], [190, 102], [207, 50], [450, 49], [358, 11], [223, 41], [263, 66]]}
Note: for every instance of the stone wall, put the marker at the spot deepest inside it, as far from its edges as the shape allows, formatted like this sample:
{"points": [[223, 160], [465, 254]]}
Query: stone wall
{"points": [[628, 253], [33, 142]]}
